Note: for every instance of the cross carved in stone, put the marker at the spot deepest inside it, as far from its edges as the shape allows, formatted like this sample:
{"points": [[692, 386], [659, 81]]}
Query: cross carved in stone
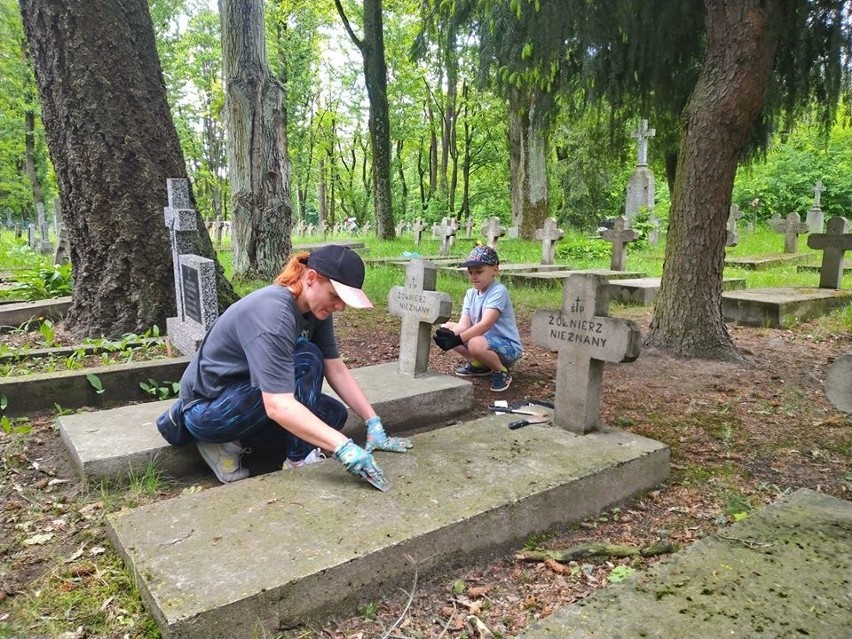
{"points": [[585, 337], [549, 235], [492, 231], [418, 227], [642, 134], [445, 231], [792, 226], [732, 238], [619, 236], [420, 306], [834, 243]]}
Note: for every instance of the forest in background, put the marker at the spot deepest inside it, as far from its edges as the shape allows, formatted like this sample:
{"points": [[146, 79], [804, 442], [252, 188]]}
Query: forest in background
{"points": [[448, 117]]}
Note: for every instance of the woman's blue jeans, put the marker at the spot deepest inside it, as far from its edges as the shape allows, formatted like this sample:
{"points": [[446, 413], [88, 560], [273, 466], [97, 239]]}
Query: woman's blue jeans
{"points": [[239, 413]]}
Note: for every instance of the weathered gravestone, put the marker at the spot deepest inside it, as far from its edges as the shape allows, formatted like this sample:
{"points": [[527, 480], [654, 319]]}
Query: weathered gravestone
{"points": [[838, 383], [833, 243], [195, 276], [417, 229], [549, 235], [468, 227], [585, 338], [62, 255], [619, 237], [8, 218], [400, 228], [513, 232], [792, 227], [445, 230], [31, 236], [814, 219], [420, 306], [640, 186], [19, 231], [492, 231], [732, 238], [455, 224]]}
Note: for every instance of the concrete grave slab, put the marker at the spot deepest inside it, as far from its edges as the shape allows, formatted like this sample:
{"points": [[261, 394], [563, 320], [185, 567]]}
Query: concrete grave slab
{"points": [[17, 313], [763, 262], [781, 307], [556, 278], [838, 383], [644, 290], [782, 572], [112, 444], [252, 556]]}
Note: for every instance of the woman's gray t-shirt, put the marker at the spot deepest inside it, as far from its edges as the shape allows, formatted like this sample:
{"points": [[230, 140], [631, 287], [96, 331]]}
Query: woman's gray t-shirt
{"points": [[253, 340]]}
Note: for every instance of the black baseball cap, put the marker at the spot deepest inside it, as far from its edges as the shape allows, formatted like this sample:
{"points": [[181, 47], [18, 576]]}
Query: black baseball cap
{"points": [[345, 269]]}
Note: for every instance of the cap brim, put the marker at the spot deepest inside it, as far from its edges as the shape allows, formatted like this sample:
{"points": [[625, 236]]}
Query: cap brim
{"points": [[474, 263], [354, 297]]}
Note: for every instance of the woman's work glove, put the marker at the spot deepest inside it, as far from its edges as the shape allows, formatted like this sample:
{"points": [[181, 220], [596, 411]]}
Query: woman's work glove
{"points": [[377, 438], [360, 463], [447, 339]]}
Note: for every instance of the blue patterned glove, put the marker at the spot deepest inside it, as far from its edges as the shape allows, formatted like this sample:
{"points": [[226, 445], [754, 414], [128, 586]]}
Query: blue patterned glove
{"points": [[360, 463], [377, 438]]}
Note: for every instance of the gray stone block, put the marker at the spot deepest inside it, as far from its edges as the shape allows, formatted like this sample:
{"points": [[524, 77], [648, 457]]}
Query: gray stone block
{"points": [[781, 307], [782, 572], [255, 555]]}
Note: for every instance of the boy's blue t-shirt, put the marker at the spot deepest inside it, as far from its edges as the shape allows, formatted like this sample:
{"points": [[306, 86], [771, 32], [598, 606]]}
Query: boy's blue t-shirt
{"points": [[495, 296]]}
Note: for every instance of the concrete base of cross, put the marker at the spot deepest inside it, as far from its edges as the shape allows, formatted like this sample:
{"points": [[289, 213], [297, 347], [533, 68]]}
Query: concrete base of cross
{"points": [[119, 443]]}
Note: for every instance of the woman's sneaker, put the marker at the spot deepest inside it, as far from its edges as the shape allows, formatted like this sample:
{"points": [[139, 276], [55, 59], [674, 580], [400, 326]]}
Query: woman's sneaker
{"points": [[225, 460], [314, 457], [500, 381], [468, 370]]}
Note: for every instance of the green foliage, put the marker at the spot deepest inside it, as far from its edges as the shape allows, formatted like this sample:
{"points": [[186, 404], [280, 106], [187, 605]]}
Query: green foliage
{"points": [[18, 426], [619, 573], [584, 249], [42, 283], [160, 390], [96, 383]]}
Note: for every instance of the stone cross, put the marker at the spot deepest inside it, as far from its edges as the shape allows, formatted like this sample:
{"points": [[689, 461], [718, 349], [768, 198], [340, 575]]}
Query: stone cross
{"points": [[791, 227], [642, 134], [400, 228], [492, 231], [180, 219], [819, 189], [218, 224], [549, 236], [445, 231], [585, 338], [619, 236], [833, 243], [418, 227], [420, 306], [454, 222], [468, 226], [732, 238]]}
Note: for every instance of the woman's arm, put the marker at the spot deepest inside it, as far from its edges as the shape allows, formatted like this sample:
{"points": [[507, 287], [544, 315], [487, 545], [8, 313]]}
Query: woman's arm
{"points": [[286, 411], [344, 384]]}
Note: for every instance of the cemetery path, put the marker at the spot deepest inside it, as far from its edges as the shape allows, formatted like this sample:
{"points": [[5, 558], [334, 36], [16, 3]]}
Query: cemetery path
{"points": [[741, 436]]}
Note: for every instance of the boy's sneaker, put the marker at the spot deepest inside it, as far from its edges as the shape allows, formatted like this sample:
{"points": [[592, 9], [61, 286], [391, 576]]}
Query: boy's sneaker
{"points": [[468, 370], [314, 457], [224, 459], [500, 381]]}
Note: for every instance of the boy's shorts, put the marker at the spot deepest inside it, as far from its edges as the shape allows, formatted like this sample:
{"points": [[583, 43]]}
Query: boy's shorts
{"points": [[508, 352]]}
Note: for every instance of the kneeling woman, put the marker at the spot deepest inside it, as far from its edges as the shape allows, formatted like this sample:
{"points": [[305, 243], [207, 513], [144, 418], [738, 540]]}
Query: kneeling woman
{"points": [[259, 373]]}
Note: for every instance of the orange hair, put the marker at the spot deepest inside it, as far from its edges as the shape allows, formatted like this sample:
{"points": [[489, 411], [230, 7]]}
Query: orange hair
{"points": [[291, 275]]}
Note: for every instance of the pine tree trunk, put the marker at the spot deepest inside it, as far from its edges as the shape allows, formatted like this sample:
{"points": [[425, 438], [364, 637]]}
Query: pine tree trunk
{"points": [[527, 165], [741, 43], [259, 170], [113, 144]]}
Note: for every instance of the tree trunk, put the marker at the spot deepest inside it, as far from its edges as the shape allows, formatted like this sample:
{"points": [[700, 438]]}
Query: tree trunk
{"points": [[259, 170], [30, 158], [372, 49], [113, 144], [403, 184], [741, 42], [527, 165]]}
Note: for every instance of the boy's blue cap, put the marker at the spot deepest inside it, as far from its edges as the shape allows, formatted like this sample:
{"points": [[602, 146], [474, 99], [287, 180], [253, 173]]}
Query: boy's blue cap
{"points": [[481, 255]]}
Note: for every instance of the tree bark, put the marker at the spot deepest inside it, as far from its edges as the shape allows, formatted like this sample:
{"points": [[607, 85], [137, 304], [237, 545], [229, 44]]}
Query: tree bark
{"points": [[372, 49], [527, 165], [113, 144], [259, 170], [741, 43]]}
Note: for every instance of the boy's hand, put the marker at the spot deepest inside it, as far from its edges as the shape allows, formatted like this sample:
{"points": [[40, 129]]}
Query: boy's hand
{"points": [[447, 339], [377, 438]]}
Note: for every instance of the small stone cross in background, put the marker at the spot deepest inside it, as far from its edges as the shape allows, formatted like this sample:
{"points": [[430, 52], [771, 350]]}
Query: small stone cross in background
{"points": [[834, 244], [549, 235], [492, 231], [619, 236], [792, 226]]}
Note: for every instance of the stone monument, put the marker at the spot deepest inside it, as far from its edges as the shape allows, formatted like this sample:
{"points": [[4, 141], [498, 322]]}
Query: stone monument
{"points": [[640, 186]]}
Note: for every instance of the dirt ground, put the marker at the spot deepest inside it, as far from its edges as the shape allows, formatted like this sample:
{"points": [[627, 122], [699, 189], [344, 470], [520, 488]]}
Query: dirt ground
{"points": [[741, 436]]}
